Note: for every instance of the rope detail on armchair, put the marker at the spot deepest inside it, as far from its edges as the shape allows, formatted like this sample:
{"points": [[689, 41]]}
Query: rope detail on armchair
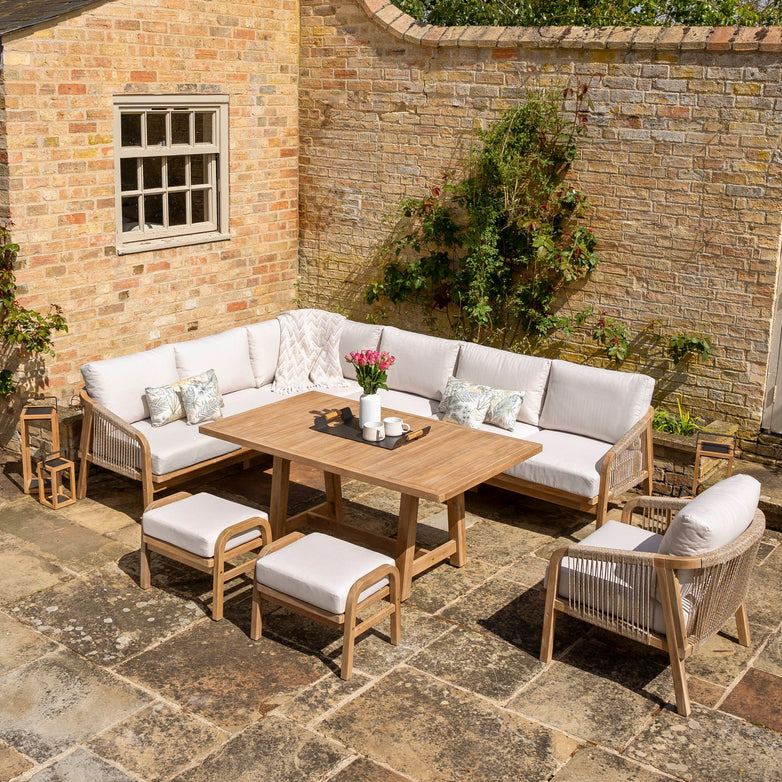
{"points": [[114, 448], [627, 468]]}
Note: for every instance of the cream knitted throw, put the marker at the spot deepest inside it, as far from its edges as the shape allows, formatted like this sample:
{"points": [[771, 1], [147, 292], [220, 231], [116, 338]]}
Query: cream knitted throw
{"points": [[309, 351]]}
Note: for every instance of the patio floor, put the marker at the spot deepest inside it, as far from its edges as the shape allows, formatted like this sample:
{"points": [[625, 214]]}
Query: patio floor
{"points": [[101, 681]]}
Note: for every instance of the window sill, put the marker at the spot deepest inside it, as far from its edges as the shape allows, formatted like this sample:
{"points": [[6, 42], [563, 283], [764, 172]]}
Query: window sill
{"points": [[173, 241]]}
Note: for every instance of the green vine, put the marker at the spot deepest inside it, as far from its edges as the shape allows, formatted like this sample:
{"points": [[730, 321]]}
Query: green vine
{"points": [[495, 245], [21, 329]]}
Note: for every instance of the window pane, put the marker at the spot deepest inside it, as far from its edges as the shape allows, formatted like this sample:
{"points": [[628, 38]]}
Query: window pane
{"points": [[156, 129], [180, 127], [153, 172], [200, 206], [177, 208], [177, 171], [131, 130], [198, 169], [130, 214], [153, 211], [128, 174], [203, 127]]}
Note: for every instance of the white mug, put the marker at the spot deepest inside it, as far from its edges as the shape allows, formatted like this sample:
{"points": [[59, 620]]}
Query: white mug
{"points": [[395, 426], [373, 431]]}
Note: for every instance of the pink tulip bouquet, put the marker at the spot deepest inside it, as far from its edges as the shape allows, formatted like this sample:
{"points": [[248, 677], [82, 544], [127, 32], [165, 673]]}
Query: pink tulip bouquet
{"points": [[371, 368]]}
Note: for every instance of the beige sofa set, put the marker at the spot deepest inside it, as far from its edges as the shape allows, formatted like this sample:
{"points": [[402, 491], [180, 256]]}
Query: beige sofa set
{"points": [[594, 424]]}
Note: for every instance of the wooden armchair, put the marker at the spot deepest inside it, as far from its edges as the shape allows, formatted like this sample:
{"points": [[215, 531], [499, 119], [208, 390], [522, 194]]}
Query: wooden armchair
{"points": [[672, 603]]}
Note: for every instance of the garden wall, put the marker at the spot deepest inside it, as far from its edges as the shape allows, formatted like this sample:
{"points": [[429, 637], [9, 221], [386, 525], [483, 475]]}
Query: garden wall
{"points": [[681, 164], [59, 79]]}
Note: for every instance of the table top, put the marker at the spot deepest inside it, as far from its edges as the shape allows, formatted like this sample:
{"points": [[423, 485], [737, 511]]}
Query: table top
{"points": [[445, 463]]}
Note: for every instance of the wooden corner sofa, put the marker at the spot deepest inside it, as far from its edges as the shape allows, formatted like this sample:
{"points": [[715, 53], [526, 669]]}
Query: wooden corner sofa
{"points": [[594, 424]]}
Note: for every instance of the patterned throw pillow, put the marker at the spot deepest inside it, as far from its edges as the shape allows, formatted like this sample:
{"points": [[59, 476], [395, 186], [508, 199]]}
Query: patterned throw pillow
{"points": [[165, 402], [464, 403], [504, 407], [201, 400]]}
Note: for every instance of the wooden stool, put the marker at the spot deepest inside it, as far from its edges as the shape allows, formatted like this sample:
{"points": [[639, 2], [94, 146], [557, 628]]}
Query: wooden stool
{"points": [[328, 580], [201, 530], [36, 410], [51, 470]]}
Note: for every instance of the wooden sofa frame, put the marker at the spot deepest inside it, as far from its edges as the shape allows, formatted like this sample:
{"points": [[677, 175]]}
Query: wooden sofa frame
{"points": [[112, 443], [629, 462]]}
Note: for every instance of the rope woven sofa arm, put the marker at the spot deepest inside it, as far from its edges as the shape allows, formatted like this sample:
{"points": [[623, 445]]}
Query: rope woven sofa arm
{"points": [[627, 462]]}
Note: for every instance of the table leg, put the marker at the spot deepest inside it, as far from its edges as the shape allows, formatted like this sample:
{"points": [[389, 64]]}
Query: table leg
{"points": [[278, 504], [334, 495], [457, 529], [405, 542]]}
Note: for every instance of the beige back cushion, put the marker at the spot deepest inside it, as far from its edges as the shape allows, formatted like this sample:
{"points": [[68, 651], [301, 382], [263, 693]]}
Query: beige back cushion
{"points": [[357, 337], [228, 353], [264, 342]]}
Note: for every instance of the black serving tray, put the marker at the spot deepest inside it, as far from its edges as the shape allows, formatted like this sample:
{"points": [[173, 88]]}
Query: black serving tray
{"points": [[342, 423]]}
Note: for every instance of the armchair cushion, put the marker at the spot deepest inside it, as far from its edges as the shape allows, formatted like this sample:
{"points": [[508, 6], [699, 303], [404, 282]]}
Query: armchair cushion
{"points": [[227, 353], [714, 518], [593, 402], [263, 340], [423, 363]]}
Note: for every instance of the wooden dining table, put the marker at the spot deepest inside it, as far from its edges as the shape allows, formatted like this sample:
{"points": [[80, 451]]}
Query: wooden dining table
{"points": [[440, 466]]}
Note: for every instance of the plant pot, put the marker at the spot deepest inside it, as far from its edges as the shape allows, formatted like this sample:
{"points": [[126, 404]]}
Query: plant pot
{"points": [[368, 408]]}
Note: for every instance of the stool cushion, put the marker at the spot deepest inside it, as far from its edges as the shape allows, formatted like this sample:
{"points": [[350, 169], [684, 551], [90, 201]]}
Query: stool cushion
{"points": [[195, 523], [319, 569]]}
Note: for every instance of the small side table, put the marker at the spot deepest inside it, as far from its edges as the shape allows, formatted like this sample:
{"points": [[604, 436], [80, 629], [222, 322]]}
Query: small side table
{"points": [[36, 410], [51, 470]]}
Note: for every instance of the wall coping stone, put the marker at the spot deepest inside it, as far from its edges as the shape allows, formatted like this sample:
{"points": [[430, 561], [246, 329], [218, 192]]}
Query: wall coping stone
{"points": [[716, 39]]}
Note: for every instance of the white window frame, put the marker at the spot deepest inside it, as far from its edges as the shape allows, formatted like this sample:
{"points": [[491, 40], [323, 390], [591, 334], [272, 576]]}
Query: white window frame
{"points": [[153, 237]]}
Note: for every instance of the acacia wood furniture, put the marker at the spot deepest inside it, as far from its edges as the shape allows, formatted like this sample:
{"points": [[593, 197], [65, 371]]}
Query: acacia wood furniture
{"points": [[339, 579], [201, 531], [52, 469], [671, 603], [36, 410], [439, 467]]}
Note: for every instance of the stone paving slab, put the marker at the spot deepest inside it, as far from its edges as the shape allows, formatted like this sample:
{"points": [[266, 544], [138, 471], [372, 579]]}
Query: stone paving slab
{"points": [[81, 766], [757, 698], [12, 763], [436, 732], [105, 617], [600, 692], [158, 741], [709, 745], [20, 644], [24, 572], [324, 695], [363, 770], [60, 701], [217, 672], [440, 586], [770, 659], [591, 763], [271, 749]]}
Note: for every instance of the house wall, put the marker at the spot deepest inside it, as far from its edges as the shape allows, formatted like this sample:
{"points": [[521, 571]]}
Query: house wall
{"points": [[59, 80], [681, 164]]}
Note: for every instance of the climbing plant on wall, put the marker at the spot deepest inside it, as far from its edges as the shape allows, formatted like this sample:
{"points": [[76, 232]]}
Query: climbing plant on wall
{"points": [[23, 331], [496, 242]]}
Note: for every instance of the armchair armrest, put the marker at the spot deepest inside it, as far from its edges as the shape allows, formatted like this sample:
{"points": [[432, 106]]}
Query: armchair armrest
{"points": [[628, 461], [655, 512]]}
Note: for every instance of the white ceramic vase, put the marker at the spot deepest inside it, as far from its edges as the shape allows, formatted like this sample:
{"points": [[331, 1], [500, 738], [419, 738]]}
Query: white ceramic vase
{"points": [[368, 408]]}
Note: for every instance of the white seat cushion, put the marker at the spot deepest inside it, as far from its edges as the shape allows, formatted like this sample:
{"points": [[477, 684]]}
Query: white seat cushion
{"points": [[356, 337], [503, 369], [320, 570], [120, 384], [567, 462], [714, 518], [227, 353], [599, 403], [195, 523], [263, 340], [423, 364], [608, 591]]}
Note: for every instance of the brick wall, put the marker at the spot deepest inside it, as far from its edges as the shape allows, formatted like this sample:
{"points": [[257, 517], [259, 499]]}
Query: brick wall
{"points": [[681, 165], [58, 81]]}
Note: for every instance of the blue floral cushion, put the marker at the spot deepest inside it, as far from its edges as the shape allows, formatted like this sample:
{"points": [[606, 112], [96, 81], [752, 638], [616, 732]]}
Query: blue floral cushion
{"points": [[202, 400], [165, 402], [472, 404]]}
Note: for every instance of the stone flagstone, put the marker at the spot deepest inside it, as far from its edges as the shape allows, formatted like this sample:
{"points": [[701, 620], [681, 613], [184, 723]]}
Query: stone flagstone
{"points": [[20, 645], [81, 766]]}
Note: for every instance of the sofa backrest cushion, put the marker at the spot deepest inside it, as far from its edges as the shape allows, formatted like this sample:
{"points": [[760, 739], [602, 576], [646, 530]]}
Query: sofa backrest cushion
{"points": [[423, 363], [263, 339], [119, 384], [356, 337], [227, 353], [714, 518], [593, 402], [502, 369]]}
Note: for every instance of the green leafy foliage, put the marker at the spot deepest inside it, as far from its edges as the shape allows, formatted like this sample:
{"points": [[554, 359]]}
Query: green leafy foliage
{"points": [[493, 246], [683, 345], [21, 328], [594, 13], [681, 422]]}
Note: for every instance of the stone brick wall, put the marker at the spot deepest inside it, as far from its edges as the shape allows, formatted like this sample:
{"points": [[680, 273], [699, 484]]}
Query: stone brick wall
{"points": [[58, 80], [681, 165]]}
